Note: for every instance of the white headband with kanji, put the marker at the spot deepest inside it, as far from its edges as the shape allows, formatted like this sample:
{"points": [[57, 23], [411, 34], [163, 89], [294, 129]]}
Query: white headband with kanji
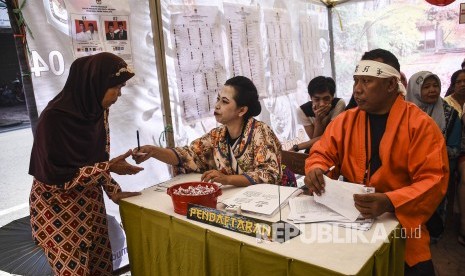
{"points": [[379, 70]]}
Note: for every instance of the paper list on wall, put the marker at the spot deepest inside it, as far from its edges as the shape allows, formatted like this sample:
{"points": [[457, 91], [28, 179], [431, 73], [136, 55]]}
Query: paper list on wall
{"points": [[243, 32], [280, 51], [199, 60], [312, 54]]}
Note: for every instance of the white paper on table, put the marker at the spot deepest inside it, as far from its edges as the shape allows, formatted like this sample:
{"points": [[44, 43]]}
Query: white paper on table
{"points": [[300, 181], [339, 197], [262, 198], [305, 209], [359, 224]]}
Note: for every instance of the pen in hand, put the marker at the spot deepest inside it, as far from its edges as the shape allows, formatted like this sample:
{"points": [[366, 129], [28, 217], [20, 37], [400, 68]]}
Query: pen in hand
{"points": [[138, 142], [328, 170]]}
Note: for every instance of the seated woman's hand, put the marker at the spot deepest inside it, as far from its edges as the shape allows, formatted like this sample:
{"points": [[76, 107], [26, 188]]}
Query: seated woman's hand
{"points": [[118, 196], [120, 166], [142, 154], [215, 176]]}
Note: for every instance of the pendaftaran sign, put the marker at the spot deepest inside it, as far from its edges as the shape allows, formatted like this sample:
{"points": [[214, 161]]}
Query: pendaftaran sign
{"points": [[271, 231]]}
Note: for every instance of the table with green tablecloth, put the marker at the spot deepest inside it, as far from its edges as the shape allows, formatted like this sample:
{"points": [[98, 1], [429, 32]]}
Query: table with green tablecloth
{"points": [[161, 242]]}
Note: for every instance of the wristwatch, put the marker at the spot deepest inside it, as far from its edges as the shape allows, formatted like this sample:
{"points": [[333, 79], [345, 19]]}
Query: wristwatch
{"points": [[295, 147]]}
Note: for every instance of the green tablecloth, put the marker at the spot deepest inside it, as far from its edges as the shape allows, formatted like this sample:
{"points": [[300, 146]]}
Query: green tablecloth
{"points": [[164, 244]]}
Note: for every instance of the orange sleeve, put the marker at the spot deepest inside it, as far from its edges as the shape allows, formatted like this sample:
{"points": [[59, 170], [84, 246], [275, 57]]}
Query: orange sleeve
{"points": [[429, 171]]}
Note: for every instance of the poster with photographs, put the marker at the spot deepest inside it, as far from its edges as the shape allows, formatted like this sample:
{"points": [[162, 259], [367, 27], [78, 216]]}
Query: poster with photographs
{"points": [[116, 37], [85, 34], [97, 27]]}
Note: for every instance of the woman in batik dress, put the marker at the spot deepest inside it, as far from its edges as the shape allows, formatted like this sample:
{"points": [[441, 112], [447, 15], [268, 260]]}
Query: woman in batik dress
{"points": [[240, 152], [70, 164]]}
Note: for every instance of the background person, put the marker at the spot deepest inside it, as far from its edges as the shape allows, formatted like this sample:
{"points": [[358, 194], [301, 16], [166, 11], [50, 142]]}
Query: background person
{"points": [[240, 152], [424, 90], [316, 114], [457, 90], [70, 164], [455, 95], [391, 145]]}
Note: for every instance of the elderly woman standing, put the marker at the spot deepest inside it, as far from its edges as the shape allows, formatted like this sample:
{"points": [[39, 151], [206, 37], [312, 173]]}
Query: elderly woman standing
{"points": [[241, 152], [70, 164], [424, 89]]}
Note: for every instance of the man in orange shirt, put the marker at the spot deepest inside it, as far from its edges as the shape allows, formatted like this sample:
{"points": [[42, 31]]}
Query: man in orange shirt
{"points": [[391, 145]]}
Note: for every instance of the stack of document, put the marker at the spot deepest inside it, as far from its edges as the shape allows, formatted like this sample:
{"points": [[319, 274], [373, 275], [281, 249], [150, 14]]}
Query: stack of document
{"points": [[335, 205], [262, 198]]}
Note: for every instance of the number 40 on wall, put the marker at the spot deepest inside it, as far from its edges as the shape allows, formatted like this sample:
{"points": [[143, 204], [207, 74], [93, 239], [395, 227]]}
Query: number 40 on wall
{"points": [[55, 64]]}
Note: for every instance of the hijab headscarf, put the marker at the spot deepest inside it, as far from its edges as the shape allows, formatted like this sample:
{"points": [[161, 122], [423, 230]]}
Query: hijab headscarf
{"points": [[71, 131], [436, 110]]}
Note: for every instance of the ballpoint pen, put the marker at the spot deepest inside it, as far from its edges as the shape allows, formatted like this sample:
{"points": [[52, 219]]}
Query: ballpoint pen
{"points": [[328, 170], [138, 142]]}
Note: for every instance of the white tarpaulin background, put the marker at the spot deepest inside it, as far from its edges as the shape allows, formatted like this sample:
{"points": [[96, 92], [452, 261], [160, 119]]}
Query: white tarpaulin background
{"points": [[281, 45]]}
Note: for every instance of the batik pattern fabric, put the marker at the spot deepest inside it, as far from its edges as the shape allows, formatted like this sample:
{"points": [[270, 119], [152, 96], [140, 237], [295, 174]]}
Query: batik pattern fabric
{"points": [[258, 154], [69, 221]]}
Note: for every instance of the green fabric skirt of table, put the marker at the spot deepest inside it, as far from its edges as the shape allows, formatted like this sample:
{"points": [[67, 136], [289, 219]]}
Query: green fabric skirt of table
{"points": [[159, 244]]}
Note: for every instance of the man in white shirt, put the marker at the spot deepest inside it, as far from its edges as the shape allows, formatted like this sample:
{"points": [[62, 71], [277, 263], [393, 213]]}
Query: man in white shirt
{"points": [[316, 114]]}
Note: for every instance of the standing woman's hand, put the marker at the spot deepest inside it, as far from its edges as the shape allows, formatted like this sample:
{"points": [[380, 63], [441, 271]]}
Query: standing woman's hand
{"points": [[120, 166]]}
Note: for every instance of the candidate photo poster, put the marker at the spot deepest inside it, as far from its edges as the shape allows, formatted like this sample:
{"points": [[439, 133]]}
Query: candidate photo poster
{"points": [[85, 34], [117, 38]]}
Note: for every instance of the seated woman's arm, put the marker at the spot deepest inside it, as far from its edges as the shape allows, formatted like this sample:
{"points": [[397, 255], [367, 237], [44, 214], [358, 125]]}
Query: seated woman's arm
{"points": [[266, 167], [196, 157], [165, 155]]}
